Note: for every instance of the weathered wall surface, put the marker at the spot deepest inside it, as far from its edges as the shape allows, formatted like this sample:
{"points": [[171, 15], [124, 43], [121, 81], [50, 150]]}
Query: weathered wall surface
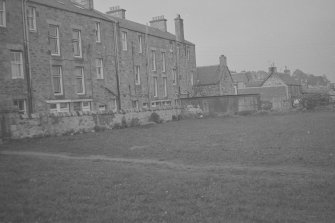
{"points": [[52, 125], [41, 60], [11, 38], [225, 104], [276, 95]]}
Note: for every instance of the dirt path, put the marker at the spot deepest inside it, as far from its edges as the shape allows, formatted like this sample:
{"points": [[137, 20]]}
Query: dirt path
{"points": [[220, 167]]}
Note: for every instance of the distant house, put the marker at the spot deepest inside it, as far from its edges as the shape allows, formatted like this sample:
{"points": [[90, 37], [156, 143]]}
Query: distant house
{"points": [[214, 80], [278, 88], [240, 79]]}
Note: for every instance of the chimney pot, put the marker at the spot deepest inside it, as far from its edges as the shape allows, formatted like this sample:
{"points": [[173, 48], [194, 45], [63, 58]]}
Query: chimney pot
{"points": [[179, 28], [159, 22], [116, 11]]}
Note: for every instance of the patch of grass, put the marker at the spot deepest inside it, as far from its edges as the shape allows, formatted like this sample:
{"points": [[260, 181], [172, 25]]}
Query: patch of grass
{"points": [[271, 168]]}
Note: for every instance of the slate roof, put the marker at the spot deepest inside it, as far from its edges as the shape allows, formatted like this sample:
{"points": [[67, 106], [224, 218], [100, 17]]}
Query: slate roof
{"points": [[286, 78], [240, 77], [67, 5], [134, 26], [208, 75], [254, 84], [124, 23]]}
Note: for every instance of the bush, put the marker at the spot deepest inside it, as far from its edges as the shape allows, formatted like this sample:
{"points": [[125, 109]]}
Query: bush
{"points": [[266, 105], [124, 122], [154, 117], [134, 122]]}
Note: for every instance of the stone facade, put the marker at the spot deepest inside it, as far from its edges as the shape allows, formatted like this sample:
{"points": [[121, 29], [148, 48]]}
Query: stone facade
{"points": [[97, 91], [214, 80], [83, 87], [12, 88]]}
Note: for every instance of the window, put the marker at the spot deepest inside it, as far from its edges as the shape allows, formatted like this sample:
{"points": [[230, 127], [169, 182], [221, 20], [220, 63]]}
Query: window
{"points": [[54, 40], [99, 68], [163, 61], [145, 105], [31, 18], [2, 13], [153, 58], [57, 80], [140, 49], [97, 32], [174, 73], [86, 106], [135, 104], [137, 75], [76, 41], [80, 80], [165, 86], [191, 78], [17, 64], [188, 53], [20, 105], [124, 41], [155, 87], [60, 107], [102, 108]]}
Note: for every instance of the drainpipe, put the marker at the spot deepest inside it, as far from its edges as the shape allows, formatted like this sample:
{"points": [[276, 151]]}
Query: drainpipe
{"points": [[27, 57], [116, 39]]}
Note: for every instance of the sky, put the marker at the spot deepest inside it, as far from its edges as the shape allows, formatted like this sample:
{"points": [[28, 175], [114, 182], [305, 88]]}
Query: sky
{"points": [[253, 34]]}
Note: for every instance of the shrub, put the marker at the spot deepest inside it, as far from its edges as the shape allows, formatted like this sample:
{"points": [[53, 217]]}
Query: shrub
{"points": [[124, 122], [134, 122], [154, 117], [266, 105]]}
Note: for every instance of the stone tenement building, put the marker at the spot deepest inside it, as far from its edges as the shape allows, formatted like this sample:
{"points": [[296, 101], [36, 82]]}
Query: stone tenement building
{"points": [[64, 56]]}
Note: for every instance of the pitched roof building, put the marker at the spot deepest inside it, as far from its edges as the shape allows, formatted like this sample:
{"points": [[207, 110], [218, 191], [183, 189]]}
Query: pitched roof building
{"points": [[214, 80], [66, 56]]}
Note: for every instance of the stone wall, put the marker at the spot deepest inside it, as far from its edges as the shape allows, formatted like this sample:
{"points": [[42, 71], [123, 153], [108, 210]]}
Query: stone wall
{"points": [[20, 127], [230, 104]]}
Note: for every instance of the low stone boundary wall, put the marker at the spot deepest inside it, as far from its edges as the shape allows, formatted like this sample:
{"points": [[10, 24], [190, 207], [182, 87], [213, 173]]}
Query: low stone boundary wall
{"points": [[41, 125]]}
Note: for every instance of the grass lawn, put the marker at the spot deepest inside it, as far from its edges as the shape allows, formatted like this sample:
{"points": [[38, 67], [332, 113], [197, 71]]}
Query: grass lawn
{"points": [[271, 168]]}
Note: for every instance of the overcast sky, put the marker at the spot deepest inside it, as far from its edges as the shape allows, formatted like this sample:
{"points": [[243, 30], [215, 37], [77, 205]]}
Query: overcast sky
{"points": [[251, 33]]}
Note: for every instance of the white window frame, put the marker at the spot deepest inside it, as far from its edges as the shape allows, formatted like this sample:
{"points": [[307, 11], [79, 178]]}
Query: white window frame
{"points": [[191, 79], [155, 87], [17, 64], [99, 66], [124, 41], [58, 107], [3, 13], [102, 108], [82, 77], [153, 60], [140, 44], [60, 75], [55, 37], [174, 76], [78, 42], [16, 101], [87, 107], [98, 32], [137, 75], [32, 18], [163, 62], [165, 86]]}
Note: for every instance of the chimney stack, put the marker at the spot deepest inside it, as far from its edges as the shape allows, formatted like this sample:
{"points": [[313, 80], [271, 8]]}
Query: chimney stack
{"points": [[179, 26], [272, 69], [287, 71], [88, 4], [159, 22], [223, 61], [116, 11]]}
